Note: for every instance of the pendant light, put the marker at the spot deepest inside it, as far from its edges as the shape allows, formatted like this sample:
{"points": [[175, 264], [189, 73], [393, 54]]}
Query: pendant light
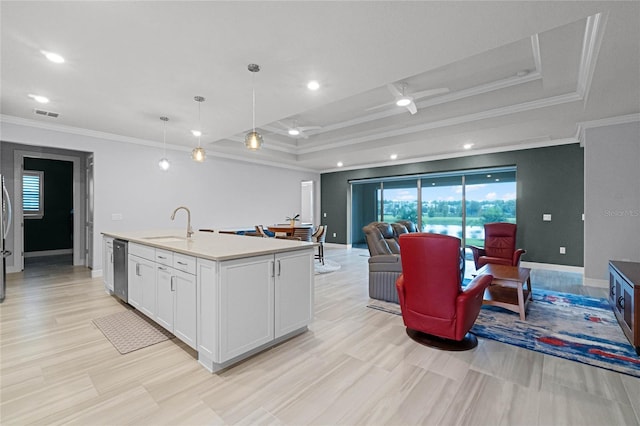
{"points": [[253, 139], [164, 162], [198, 154]]}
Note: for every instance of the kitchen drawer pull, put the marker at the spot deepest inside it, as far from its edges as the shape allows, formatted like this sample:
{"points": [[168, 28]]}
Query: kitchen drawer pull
{"points": [[162, 268], [182, 263], [161, 257]]}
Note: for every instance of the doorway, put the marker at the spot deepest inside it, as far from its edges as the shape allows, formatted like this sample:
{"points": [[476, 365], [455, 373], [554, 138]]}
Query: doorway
{"points": [[69, 225]]}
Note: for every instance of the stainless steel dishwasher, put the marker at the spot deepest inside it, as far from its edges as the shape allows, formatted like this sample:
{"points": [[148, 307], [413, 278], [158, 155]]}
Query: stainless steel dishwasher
{"points": [[120, 275]]}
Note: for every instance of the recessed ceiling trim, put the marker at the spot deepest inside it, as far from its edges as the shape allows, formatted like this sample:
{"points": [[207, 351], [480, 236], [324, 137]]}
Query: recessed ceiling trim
{"points": [[483, 115], [535, 50], [593, 33], [449, 97]]}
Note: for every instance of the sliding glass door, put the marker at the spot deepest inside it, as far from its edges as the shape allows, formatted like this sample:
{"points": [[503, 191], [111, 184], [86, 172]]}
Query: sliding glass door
{"points": [[451, 203], [442, 211]]}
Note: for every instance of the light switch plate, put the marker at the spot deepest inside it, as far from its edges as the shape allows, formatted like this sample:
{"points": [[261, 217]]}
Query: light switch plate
{"points": [[116, 216], [546, 217]]}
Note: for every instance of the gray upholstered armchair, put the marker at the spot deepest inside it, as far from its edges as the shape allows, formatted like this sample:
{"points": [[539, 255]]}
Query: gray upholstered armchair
{"points": [[384, 264]]}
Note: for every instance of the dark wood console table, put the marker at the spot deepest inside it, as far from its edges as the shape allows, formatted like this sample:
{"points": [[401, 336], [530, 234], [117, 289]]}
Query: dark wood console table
{"points": [[624, 298]]}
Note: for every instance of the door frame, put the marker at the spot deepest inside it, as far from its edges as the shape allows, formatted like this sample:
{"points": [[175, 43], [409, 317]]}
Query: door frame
{"points": [[78, 206]]}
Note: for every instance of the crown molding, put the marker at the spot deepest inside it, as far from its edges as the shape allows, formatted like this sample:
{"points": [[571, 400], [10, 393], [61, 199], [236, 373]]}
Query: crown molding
{"points": [[609, 121], [593, 33], [483, 115]]}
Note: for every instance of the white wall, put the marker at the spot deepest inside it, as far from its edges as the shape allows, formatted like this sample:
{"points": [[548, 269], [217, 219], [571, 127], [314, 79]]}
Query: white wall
{"points": [[612, 198], [221, 193]]}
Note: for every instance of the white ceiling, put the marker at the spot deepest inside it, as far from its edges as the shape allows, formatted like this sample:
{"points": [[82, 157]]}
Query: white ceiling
{"points": [[128, 63]]}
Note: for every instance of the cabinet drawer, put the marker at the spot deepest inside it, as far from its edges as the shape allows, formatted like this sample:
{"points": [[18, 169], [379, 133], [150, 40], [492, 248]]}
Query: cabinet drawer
{"points": [[184, 263], [142, 251], [164, 257]]}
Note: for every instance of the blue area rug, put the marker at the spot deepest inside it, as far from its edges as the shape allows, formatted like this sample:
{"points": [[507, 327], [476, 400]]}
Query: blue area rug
{"points": [[579, 328]]}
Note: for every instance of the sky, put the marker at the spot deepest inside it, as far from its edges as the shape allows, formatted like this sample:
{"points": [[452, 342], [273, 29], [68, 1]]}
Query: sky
{"points": [[482, 192]]}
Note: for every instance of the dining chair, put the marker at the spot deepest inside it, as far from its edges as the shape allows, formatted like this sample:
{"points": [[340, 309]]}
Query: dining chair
{"points": [[319, 237]]}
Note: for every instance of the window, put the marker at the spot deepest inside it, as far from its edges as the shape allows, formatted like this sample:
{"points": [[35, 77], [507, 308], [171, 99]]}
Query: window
{"points": [[32, 194], [456, 203]]}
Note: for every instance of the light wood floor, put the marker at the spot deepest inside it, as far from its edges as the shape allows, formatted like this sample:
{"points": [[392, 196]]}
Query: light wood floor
{"points": [[354, 366]]}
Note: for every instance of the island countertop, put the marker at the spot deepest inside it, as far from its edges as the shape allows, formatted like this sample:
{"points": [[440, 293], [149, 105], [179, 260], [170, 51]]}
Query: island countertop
{"points": [[211, 245]]}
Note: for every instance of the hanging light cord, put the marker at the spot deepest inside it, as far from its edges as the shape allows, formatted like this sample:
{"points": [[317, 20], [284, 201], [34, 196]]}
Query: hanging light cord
{"points": [[164, 136], [199, 123], [253, 89]]}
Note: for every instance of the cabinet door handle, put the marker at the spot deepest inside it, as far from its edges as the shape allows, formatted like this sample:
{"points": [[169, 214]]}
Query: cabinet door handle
{"points": [[137, 269], [182, 263], [621, 302], [173, 288], [612, 292], [111, 257], [161, 257], [279, 268], [273, 269], [162, 268]]}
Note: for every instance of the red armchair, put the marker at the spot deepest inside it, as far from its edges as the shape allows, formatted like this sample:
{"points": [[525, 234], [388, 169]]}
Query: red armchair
{"points": [[499, 246], [435, 309]]}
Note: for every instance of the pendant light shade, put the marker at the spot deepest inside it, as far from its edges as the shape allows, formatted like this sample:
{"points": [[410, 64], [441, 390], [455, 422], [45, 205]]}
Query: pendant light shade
{"points": [[164, 161], [198, 154], [253, 139]]}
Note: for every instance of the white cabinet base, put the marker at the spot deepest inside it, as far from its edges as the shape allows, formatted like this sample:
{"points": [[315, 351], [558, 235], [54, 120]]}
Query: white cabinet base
{"points": [[214, 367]]}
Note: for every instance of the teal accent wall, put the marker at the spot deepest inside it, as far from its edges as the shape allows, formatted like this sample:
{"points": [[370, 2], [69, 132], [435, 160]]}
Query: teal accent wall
{"points": [[55, 230], [549, 180]]}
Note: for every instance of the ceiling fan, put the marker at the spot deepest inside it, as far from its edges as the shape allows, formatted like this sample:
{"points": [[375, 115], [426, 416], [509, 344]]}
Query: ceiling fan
{"points": [[407, 100], [296, 131]]}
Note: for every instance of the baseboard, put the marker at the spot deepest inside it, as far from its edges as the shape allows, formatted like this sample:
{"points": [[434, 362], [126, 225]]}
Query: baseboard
{"points": [[48, 253], [553, 267], [594, 282]]}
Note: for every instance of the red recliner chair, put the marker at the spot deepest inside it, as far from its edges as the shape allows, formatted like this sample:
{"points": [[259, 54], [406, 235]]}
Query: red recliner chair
{"points": [[499, 246], [435, 308]]}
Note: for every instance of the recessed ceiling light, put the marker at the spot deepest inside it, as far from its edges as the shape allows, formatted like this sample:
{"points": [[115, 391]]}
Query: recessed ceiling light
{"points": [[313, 85], [53, 57], [340, 164], [497, 180], [402, 102], [38, 98], [488, 176], [294, 132], [393, 156], [467, 145], [196, 133]]}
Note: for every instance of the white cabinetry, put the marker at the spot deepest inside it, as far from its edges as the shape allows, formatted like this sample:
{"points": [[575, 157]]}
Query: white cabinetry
{"points": [[142, 280], [176, 298], [107, 263], [248, 304], [293, 292]]}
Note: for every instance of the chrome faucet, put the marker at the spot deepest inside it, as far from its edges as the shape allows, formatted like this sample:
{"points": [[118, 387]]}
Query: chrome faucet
{"points": [[189, 229]]}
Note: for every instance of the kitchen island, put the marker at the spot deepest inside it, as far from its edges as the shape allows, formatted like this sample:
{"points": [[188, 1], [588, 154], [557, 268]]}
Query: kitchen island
{"points": [[226, 296]]}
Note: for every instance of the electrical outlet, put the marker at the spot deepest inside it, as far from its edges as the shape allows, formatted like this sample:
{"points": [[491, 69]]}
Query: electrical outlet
{"points": [[546, 217], [116, 216], [563, 250], [334, 235], [324, 215]]}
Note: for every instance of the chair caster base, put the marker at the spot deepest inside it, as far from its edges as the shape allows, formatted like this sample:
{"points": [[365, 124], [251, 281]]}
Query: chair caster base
{"points": [[468, 342]]}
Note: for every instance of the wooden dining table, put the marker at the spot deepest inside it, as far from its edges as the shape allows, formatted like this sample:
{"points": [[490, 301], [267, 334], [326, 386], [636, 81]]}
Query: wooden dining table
{"points": [[286, 228]]}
